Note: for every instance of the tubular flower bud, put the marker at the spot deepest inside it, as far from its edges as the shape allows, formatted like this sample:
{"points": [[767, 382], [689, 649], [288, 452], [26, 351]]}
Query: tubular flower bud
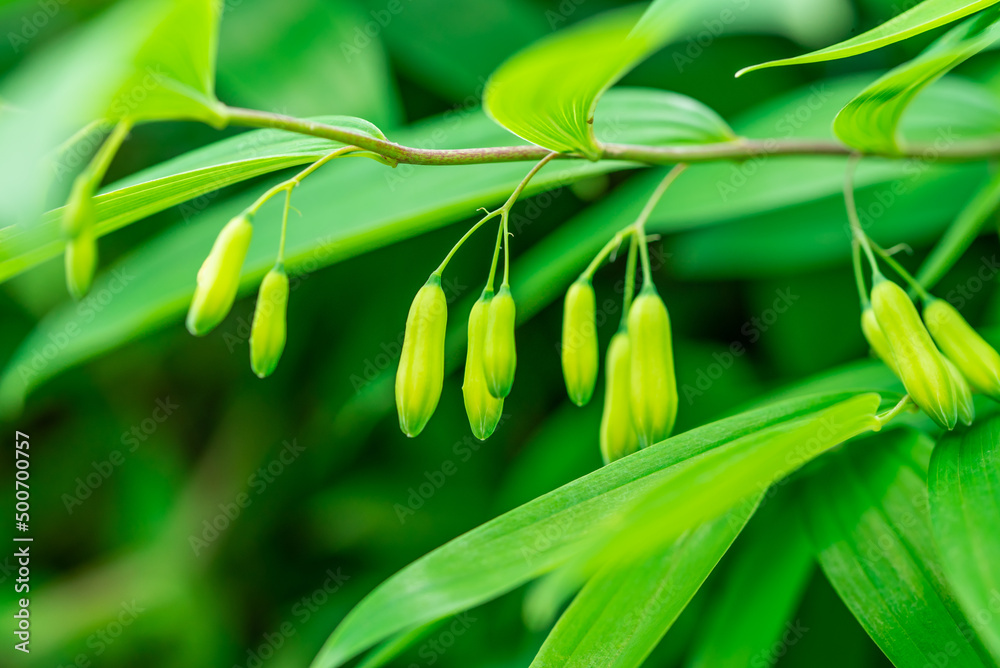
{"points": [[81, 261], [267, 334], [484, 410], [920, 365], [421, 364], [653, 387], [579, 342], [618, 437], [876, 339], [219, 276], [499, 353], [977, 360], [963, 394]]}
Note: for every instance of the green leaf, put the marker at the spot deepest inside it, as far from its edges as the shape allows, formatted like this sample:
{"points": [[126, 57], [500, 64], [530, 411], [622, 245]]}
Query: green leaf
{"points": [[760, 591], [964, 481], [532, 539], [174, 182], [708, 485], [866, 511], [928, 15], [346, 210], [548, 92], [622, 613], [870, 121], [142, 59]]}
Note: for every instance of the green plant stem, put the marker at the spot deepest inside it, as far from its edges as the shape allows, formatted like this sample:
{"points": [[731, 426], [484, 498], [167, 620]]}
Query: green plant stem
{"points": [[899, 269], [98, 167], [629, 280], [852, 214], [502, 211], [739, 149], [284, 227], [859, 276], [496, 258], [289, 184], [640, 222]]}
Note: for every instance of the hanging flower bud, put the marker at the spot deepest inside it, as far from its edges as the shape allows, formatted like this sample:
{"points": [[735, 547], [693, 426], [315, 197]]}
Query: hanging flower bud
{"points": [[618, 437], [977, 360], [652, 384], [963, 394], [484, 410], [579, 342], [876, 339], [267, 333], [499, 353], [921, 366], [81, 262], [421, 364], [219, 276]]}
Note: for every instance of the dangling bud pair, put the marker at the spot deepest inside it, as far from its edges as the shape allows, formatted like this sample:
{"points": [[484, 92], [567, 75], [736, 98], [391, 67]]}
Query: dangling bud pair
{"points": [[897, 333], [490, 361], [640, 401]]}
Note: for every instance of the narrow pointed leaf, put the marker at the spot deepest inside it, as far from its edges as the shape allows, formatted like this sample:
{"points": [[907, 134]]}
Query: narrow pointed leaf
{"points": [[964, 481], [621, 614], [532, 539], [768, 571], [870, 121], [866, 511], [928, 15]]}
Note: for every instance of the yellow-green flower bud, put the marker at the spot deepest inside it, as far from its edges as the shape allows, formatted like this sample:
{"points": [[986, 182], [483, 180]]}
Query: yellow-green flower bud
{"points": [[579, 342], [81, 262], [963, 393], [653, 387], [876, 339], [267, 334], [499, 353], [977, 360], [420, 376], [618, 437], [219, 276], [920, 365], [484, 410]]}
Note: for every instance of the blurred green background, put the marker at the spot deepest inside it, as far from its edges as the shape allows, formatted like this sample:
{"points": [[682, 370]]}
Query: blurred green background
{"points": [[186, 513]]}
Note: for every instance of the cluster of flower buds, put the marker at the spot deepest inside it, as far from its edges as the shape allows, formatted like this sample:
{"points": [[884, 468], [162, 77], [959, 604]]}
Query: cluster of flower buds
{"points": [[490, 361], [940, 359], [218, 283], [640, 399]]}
